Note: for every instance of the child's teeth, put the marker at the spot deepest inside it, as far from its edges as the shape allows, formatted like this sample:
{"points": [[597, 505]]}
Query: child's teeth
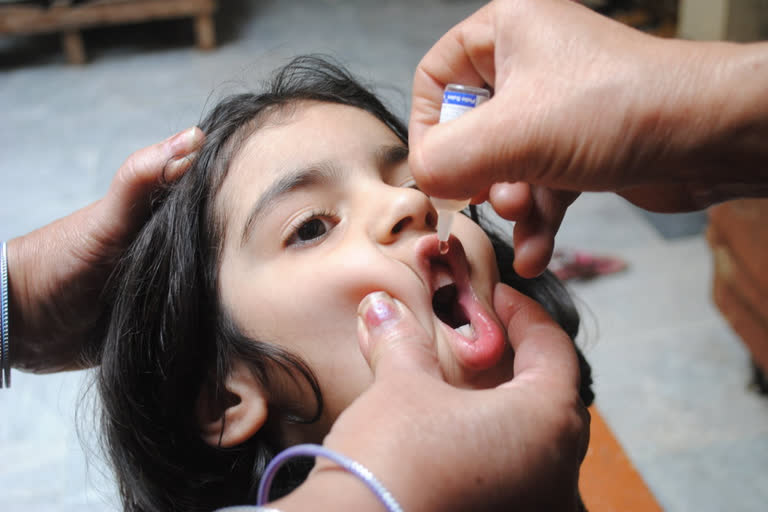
{"points": [[467, 331], [443, 279]]}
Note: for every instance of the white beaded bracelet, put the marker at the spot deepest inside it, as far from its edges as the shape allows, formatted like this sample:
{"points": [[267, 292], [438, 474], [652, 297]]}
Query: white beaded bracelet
{"points": [[315, 450], [5, 357]]}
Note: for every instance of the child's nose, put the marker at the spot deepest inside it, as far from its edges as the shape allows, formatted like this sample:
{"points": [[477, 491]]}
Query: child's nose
{"points": [[404, 210]]}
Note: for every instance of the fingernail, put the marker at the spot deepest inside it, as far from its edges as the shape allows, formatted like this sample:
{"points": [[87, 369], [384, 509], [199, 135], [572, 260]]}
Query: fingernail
{"points": [[186, 141], [363, 338], [178, 165], [378, 308]]}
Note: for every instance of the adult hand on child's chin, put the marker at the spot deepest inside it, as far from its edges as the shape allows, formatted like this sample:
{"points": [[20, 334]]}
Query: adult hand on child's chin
{"points": [[58, 272], [436, 447]]}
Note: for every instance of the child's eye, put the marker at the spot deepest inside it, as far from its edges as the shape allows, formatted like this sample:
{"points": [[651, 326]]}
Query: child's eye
{"points": [[410, 183], [309, 229]]}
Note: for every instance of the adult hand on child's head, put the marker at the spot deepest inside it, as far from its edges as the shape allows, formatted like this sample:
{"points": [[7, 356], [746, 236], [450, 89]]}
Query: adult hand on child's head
{"points": [[58, 272], [581, 103], [436, 447]]}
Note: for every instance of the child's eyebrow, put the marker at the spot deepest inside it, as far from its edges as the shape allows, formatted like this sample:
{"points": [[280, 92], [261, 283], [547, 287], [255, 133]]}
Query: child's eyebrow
{"points": [[321, 173], [390, 156]]}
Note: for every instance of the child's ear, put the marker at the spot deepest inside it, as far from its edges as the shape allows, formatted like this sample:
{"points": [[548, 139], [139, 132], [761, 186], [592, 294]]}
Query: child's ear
{"points": [[234, 414]]}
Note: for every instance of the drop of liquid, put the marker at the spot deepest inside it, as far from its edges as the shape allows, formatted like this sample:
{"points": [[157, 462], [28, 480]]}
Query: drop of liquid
{"points": [[443, 246]]}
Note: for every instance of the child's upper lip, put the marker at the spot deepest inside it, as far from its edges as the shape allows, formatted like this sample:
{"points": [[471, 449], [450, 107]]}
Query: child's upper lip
{"points": [[430, 261]]}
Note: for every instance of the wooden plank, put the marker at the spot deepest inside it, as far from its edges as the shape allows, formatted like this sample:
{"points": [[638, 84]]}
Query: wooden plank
{"points": [[609, 481], [205, 32], [29, 20], [73, 46], [743, 319]]}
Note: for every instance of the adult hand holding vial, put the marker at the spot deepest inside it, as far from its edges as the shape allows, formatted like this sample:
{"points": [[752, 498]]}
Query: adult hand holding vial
{"points": [[580, 103]]}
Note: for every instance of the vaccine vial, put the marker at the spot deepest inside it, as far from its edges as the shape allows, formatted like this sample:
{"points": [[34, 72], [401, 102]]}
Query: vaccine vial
{"points": [[457, 99]]}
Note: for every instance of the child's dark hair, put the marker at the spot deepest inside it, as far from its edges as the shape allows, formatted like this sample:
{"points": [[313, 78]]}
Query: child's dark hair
{"points": [[169, 336]]}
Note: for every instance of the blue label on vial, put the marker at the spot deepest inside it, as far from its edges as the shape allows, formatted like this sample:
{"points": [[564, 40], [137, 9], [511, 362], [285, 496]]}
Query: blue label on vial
{"points": [[460, 98]]}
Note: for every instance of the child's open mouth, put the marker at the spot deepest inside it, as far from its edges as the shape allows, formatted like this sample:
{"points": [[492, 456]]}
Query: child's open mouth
{"points": [[445, 302], [471, 329]]}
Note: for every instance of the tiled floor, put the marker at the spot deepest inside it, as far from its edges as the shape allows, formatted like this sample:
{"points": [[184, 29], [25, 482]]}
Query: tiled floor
{"points": [[671, 381], [670, 376]]}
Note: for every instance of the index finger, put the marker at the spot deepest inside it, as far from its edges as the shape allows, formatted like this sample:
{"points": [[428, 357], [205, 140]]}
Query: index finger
{"points": [[464, 55], [129, 194], [542, 348]]}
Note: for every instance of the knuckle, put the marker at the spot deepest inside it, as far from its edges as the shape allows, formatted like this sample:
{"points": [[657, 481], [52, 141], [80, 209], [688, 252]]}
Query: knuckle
{"points": [[142, 167], [129, 170], [401, 333], [571, 420]]}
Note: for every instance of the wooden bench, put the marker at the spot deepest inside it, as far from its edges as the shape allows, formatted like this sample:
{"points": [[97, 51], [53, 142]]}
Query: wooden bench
{"points": [[738, 236], [69, 20]]}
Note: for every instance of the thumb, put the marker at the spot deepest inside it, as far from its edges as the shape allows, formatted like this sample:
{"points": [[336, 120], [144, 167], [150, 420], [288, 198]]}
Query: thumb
{"points": [[392, 340], [542, 348], [463, 157]]}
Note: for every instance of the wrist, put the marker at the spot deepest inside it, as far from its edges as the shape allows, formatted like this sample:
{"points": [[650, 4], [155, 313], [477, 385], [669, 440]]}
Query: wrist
{"points": [[330, 488], [19, 255], [720, 120], [743, 151], [35, 331]]}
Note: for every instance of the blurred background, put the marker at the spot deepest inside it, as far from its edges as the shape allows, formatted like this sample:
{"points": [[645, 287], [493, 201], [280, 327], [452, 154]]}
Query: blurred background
{"points": [[83, 84]]}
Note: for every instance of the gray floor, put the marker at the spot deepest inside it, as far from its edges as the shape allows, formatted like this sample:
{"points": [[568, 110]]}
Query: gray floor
{"points": [[671, 377]]}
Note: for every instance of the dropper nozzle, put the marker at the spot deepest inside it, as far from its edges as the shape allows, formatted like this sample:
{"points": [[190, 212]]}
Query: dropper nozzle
{"points": [[446, 211], [444, 223]]}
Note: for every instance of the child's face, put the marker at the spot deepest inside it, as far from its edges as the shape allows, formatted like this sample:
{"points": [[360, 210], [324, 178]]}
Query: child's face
{"points": [[320, 211]]}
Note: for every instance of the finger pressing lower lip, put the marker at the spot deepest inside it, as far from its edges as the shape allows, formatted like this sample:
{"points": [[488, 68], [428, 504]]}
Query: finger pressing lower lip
{"points": [[391, 338], [376, 309]]}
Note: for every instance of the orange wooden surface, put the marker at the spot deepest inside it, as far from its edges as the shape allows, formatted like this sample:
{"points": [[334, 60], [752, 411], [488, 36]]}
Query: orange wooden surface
{"points": [[609, 482]]}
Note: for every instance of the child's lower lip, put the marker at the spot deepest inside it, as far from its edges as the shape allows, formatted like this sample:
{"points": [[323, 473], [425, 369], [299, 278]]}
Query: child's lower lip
{"points": [[487, 347]]}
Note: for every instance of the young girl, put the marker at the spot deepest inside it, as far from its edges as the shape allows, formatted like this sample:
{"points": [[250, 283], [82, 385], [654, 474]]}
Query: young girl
{"points": [[233, 333]]}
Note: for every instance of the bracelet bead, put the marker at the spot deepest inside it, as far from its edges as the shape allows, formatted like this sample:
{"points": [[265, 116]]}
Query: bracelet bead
{"points": [[5, 358]]}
